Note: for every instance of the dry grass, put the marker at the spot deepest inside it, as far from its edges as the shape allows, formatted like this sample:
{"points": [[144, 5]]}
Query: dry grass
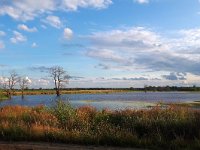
{"points": [[48, 92], [170, 128]]}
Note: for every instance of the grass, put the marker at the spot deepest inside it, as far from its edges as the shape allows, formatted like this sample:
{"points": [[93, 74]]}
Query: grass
{"points": [[189, 104], [171, 128], [76, 91], [3, 97], [49, 92]]}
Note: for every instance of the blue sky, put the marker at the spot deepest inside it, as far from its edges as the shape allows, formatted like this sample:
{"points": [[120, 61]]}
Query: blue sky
{"points": [[102, 43]]}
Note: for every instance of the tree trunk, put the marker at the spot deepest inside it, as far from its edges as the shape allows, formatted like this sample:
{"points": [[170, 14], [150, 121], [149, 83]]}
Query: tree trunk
{"points": [[22, 94], [58, 92], [9, 94]]}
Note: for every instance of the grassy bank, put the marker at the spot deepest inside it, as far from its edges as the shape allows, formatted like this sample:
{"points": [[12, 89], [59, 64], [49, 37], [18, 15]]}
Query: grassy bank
{"points": [[189, 104], [79, 91], [48, 92], [171, 128], [3, 97]]}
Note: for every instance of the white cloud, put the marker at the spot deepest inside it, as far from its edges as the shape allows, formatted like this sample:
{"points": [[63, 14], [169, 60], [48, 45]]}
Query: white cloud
{"points": [[132, 39], [54, 21], [26, 28], [25, 10], [2, 33], [18, 37], [73, 5], [28, 79], [191, 37], [42, 82], [106, 55], [142, 1], [68, 33], [2, 45], [142, 49], [34, 45], [123, 81]]}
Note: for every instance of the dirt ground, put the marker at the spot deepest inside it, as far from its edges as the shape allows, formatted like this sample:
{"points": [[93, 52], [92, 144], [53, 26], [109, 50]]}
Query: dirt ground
{"points": [[50, 146]]}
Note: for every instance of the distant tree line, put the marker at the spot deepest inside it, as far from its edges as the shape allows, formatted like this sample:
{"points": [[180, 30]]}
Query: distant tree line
{"points": [[147, 88], [166, 88]]}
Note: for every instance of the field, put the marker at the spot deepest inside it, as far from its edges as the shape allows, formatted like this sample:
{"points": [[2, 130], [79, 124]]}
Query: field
{"points": [[50, 91], [171, 128], [3, 97]]}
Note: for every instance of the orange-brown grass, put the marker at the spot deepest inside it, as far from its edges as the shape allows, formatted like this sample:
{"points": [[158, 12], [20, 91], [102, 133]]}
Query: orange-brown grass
{"points": [[167, 128], [48, 92]]}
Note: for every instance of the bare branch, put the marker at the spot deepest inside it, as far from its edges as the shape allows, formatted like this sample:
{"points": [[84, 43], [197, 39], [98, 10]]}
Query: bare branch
{"points": [[10, 82], [23, 83], [60, 78]]}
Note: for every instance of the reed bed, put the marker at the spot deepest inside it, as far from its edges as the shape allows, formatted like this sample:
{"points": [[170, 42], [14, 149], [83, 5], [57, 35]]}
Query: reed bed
{"points": [[49, 92], [167, 128]]}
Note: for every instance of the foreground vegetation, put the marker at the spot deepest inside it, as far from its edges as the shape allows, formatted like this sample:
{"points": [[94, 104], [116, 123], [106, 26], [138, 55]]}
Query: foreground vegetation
{"points": [[170, 128]]}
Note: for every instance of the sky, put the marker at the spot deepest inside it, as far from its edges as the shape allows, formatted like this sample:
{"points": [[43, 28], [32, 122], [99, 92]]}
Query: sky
{"points": [[102, 43]]}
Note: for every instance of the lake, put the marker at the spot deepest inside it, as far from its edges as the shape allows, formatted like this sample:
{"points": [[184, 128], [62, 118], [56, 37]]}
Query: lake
{"points": [[136, 100]]}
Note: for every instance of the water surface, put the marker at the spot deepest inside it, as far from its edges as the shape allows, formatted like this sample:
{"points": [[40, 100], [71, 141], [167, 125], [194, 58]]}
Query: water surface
{"points": [[112, 100]]}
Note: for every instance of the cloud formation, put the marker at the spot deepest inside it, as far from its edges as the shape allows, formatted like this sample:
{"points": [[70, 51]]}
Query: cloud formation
{"points": [[73, 5], [175, 76], [141, 48], [26, 28], [105, 55], [25, 10], [142, 1], [132, 39], [18, 37], [131, 79], [68, 33], [54, 21]]}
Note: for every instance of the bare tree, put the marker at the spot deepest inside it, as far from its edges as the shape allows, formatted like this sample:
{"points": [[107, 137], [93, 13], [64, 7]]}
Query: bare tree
{"points": [[10, 82], [60, 78], [23, 84]]}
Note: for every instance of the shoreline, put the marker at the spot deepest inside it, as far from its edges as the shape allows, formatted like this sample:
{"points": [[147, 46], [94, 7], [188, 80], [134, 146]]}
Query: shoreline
{"points": [[52, 92]]}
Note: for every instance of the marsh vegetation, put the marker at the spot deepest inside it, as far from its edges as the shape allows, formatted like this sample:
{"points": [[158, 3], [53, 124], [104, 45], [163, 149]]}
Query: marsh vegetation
{"points": [[170, 128]]}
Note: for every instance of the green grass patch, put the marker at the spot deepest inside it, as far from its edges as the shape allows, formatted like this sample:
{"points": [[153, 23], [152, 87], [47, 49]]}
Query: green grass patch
{"points": [[3, 97]]}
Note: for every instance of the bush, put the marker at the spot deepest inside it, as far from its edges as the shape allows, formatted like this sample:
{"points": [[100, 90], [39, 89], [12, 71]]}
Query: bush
{"points": [[65, 114]]}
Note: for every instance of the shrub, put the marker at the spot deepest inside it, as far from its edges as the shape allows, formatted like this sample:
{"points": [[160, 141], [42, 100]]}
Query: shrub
{"points": [[65, 114]]}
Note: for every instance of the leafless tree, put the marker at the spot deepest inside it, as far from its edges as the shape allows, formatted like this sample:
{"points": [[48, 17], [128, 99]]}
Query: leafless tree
{"points": [[10, 82], [23, 84], [60, 78]]}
